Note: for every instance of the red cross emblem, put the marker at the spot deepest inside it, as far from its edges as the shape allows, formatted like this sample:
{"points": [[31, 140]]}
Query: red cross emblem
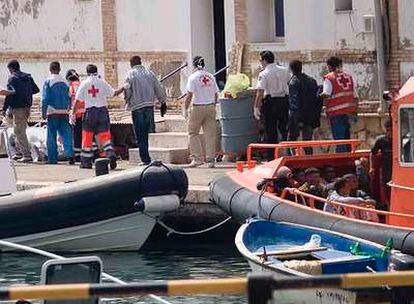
{"points": [[93, 91], [344, 81], [205, 80]]}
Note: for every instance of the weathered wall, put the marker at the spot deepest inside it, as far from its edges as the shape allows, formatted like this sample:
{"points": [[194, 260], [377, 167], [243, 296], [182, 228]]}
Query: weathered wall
{"points": [[162, 25], [311, 25], [50, 25]]}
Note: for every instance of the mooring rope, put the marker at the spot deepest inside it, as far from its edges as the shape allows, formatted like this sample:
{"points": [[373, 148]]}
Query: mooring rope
{"points": [[173, 231]]}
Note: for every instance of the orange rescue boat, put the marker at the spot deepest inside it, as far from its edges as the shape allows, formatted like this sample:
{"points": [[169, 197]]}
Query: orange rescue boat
{"points": [[237, 192]]}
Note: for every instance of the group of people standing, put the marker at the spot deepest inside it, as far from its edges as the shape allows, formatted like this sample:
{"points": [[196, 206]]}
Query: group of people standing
{"points": [[290, 102], [77, 111]]}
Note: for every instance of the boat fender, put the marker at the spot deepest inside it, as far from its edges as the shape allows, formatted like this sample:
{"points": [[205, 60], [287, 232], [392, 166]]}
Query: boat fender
{"points": [[156, 204]]}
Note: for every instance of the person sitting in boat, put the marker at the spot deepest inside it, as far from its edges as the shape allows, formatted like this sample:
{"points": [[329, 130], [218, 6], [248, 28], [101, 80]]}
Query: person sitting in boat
{"points": [[362, 173], [342, 194], [314, 185], [356, 190], [299, 176], [329, 174], [283, 179]]}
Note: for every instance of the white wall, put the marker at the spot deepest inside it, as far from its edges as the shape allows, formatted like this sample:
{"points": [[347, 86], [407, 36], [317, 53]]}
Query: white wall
{"points": [[50, 25], [311, 25], [406, 25], [153, 25], [202, 33], [230, 25]]}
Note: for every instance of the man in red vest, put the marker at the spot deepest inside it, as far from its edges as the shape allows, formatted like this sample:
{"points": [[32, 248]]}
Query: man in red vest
{"points": [[340, 100]]}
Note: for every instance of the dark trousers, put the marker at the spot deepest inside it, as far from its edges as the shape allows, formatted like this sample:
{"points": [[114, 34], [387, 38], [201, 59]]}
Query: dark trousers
{"points": [[341, 129], [143, 120], [276, 117], [77, 138], [295, 128]]}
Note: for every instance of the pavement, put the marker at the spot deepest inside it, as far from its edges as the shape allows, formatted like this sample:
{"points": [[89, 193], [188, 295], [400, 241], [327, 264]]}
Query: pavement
{"points": [[36, 175]]}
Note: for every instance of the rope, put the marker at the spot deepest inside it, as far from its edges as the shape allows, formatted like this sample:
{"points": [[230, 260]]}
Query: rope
{"points": [[171, 230], [58, 257]]}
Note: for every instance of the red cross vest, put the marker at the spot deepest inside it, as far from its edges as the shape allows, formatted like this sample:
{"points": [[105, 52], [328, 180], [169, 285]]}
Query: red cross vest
{"points": [[342, 99], [80, 108]]}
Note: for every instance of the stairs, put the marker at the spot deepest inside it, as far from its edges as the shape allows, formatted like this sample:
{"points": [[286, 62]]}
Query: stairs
{"points": [[170, 142]]}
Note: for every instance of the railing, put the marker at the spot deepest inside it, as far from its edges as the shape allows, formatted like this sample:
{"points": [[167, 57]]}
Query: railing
{"points": [[258, 287], [172, 73], [300, 145], [347, 209]]}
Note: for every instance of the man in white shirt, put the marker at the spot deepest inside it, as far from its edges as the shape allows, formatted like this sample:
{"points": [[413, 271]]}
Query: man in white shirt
{"points": [[272, 99], [202, 94], [95, 91]]}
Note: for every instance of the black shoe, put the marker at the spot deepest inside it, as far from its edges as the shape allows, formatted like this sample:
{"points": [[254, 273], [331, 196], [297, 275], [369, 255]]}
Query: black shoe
{"points": [[85, 166], [113, 164], [71, 161]]}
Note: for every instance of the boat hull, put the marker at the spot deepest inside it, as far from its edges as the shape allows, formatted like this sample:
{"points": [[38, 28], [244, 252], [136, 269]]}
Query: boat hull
{"points": [[243, 203], [101, 213], [305, 296], [124, 233]]}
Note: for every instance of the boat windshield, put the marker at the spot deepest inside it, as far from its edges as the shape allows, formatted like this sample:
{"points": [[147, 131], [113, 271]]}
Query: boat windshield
{"points": [[406, 134]]}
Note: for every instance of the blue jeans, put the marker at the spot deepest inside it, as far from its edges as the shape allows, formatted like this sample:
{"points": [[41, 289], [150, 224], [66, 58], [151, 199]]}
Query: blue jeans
{"points": [[61, 126], [143, 120], [341, 129]]}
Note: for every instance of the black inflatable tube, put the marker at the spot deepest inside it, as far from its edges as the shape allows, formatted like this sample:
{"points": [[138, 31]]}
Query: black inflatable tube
{"points": [[242, 203], [86, 201]]}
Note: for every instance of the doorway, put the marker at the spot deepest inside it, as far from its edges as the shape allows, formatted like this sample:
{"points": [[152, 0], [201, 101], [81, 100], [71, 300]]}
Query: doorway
{"points": [[219, 39]]}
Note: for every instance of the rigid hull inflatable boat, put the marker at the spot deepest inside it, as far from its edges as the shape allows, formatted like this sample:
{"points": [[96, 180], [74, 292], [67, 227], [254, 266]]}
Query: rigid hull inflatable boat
{"points": [[286, 250], [237, 193], [111, 212]]}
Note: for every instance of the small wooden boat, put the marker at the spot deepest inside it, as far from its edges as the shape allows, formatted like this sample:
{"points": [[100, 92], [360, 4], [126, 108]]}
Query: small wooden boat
{"points": [[238, 194], [286, 249]]}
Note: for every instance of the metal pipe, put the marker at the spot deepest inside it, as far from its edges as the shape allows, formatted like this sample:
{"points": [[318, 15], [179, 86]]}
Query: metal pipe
{"points": [[379, 41], [172, 73], [215, 74]]}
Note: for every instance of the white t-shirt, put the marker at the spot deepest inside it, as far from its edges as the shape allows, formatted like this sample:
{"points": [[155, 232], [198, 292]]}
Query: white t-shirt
{"points": [[274, 80], [204, 87], [95, 92]]}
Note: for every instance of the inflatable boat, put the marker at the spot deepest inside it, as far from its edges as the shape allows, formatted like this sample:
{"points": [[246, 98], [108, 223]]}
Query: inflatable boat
{"points": [[110, 212], [286, 250], [238, 192]]}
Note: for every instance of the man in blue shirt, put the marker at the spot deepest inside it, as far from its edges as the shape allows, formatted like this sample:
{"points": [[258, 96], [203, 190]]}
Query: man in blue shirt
{"points": [[19, 97], [56, 104]]}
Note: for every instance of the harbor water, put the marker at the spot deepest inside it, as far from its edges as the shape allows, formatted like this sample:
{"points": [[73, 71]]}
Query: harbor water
{"points": [[192, 262]]}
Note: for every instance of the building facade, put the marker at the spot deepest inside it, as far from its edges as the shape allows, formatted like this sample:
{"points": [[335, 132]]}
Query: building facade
{"points": [[168, 33]]}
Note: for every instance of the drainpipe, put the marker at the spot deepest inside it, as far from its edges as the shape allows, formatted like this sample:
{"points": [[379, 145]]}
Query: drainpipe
{"points": [[379, 41]]}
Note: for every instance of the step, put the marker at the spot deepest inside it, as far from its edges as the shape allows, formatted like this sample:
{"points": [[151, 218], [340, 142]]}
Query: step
{"points": [[168, 140], [176, 124], [166, 155]]}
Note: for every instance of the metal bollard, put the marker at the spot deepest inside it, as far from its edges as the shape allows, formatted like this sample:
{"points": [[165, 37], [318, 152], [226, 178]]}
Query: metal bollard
{"points": [[101, 166]]}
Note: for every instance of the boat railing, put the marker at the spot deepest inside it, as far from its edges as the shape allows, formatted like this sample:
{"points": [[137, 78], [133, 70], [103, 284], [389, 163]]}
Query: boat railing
{"points": [[341, 208], [298, 147]]}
